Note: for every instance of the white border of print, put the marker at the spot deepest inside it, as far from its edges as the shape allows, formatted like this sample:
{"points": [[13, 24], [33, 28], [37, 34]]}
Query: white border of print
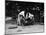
{"points": [[2, 16]]}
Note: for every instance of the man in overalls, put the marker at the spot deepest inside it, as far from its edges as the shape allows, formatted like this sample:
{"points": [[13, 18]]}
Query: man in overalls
{"points": [[20, 17]]}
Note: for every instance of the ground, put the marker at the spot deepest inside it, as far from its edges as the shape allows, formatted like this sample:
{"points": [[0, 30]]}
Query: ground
{"points": [[14, 29]]}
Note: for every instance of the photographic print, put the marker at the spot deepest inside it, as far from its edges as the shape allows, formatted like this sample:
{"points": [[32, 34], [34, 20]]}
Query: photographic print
{"points": [[23, 17]]}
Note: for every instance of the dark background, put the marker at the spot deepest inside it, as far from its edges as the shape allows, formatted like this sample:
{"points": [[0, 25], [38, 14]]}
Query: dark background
{"points": [[13, 6]]}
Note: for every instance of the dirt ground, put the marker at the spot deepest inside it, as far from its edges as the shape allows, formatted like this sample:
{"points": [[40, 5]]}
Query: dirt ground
{"points": [[14, 29]]}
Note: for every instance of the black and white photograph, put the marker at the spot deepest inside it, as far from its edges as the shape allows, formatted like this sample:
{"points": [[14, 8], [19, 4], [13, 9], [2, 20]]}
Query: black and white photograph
{"points": [[23, 17]]}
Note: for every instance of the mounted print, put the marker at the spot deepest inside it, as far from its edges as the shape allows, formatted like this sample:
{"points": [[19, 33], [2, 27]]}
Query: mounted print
{"points": [[23, 17]]}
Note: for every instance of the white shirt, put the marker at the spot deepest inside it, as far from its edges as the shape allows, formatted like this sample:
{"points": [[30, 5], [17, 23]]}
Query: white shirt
{"points": [[29, 16], [21, 13]]}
